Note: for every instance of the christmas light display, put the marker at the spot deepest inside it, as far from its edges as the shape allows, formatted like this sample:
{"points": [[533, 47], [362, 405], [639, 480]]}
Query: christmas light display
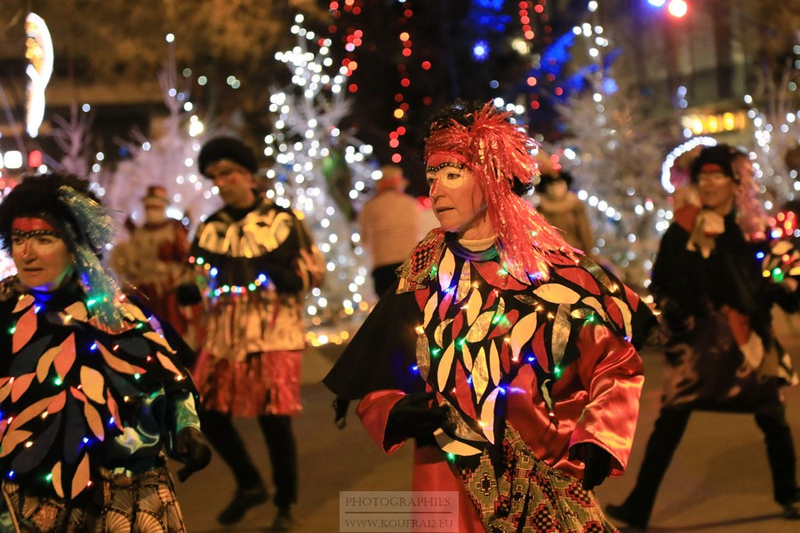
{"points": [[775, 135], [40, 54], [615, 157], [321, 172], [168, 159]]}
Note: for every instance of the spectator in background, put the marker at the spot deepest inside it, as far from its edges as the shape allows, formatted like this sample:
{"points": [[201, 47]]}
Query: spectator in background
{"points": [[563, 209], [152, 263], [389, 226]]}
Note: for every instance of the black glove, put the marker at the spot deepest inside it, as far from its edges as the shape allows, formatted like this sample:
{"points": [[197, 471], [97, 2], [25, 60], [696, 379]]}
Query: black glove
{"points": [[596, 463], [193, 450], [188, 294], [413, 416]]}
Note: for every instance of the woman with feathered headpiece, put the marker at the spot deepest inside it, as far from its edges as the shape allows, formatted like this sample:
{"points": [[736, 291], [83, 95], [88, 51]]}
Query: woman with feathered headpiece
{"points": [[93, 390], [503, 351]]}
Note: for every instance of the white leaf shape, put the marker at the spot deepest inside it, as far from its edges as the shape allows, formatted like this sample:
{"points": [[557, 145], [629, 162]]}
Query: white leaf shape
{"points": [[522, 333]]}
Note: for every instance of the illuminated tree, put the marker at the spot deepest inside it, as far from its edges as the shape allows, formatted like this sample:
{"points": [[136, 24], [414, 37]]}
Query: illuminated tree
{"points": [[320, 170]]}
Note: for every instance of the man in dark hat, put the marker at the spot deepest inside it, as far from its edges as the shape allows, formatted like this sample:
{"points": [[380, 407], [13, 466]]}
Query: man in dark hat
{"points": [[259, 260], [722, 354]]}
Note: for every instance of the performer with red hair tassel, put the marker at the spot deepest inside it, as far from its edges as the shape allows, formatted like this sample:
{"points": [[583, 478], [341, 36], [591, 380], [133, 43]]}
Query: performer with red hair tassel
{"points": [[505, 353]]}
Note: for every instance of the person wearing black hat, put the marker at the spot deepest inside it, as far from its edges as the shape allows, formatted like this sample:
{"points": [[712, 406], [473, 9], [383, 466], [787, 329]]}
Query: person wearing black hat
{"points": [[258, 260], [93, 388], [715, 283]]}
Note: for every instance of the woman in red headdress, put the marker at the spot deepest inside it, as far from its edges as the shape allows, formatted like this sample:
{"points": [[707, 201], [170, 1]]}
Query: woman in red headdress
{"points": [[502, 351]]}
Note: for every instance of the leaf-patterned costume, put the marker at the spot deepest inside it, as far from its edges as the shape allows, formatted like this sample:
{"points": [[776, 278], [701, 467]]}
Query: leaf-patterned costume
{"points": [[528, 369], [87, 414]]}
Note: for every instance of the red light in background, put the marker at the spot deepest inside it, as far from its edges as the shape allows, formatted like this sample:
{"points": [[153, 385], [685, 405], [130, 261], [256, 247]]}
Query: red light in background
{"points": [[35, 158]]}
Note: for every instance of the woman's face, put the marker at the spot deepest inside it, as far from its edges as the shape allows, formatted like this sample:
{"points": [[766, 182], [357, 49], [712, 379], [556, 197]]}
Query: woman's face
{"points": [[457, 198], [42, 258], [717, 190]]}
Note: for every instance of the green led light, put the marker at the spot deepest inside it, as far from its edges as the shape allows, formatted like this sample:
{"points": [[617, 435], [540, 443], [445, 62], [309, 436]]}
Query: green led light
{"points": [[200, 260], [58, 381], [49, 476], [137, 376], [451, 457], [435, 351]]}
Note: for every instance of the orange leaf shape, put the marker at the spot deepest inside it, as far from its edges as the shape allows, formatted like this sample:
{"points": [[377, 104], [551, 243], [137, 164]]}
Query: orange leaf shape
{"points": [[56, 480], [20, 385], [32, 411], [77, 311], [93, 382], [5, 390], [168, 364], [24, 330], [43, 366], [159, 339], [81, 478], [118, 364], [58, 402], [78, 394], [11, 440], [66, 357], [113, 409], [94, 420], [23, 303]]}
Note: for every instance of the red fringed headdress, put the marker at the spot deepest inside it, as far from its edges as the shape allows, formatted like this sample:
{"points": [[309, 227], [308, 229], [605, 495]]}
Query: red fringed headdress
{"points": [[496, 151]]}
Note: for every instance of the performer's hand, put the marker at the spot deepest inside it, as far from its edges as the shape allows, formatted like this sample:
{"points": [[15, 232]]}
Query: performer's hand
{"points": [[413, 416], [596, 463], [188, 294], [193, 450]]}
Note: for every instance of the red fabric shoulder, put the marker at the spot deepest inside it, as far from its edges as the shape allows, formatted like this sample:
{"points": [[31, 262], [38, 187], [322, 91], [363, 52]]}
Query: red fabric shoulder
{"points": [[686, 216]]}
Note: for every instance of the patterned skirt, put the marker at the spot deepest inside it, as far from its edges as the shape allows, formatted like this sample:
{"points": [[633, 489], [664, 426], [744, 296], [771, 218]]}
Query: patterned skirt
{"points": [[530, 496], [144, 503], [266, 383]]}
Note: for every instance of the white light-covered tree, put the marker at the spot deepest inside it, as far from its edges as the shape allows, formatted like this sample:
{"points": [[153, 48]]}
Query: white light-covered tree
{"points": [[776, 132], [321, 171], [167, 157], [615, 155], [74, 138]]}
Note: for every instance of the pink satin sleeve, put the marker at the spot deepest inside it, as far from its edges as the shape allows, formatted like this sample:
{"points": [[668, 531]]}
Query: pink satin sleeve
{"points": [[611, 370], [595, 400], [373, 410]]}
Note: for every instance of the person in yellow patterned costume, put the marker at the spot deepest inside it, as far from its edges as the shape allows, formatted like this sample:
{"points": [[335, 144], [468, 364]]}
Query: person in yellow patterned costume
{"points": [[257, 261]]}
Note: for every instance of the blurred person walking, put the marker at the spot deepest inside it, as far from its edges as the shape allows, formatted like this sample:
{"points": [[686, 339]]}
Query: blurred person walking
{"points": [[389, 224]]}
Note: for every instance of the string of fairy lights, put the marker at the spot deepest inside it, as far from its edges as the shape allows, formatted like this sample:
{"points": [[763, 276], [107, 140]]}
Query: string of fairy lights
{"points": [[315, 163]]}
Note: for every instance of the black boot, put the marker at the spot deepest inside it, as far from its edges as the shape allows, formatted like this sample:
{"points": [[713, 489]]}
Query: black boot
{"points": [[627, 515], [243, 500], [284, 521]]}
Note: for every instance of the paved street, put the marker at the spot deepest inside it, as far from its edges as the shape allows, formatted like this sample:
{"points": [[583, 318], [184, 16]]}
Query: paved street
{"points": [[718, 482]]}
